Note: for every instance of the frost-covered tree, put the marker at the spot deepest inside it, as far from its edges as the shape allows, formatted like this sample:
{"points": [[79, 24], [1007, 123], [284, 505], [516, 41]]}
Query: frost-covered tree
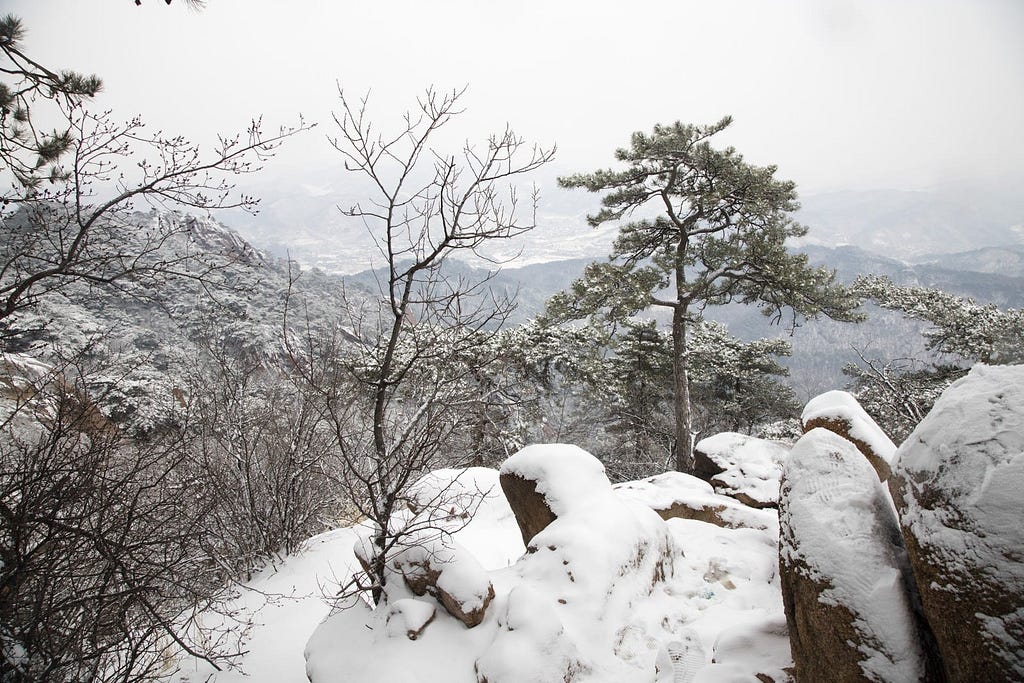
{"points": [[103, 563], [900, 392], [736, 384], [699, 226], [976, 332]]}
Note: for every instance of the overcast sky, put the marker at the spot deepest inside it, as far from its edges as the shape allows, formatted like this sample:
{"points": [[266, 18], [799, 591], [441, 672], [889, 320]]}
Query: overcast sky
{"points": [[839, 94]]}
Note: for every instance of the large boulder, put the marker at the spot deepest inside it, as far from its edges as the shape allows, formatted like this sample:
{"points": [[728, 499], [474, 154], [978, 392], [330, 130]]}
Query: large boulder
{"points": [[543, 481], [844, 574], [839, 412], [587, 581], [957, 482], [743, 467]]}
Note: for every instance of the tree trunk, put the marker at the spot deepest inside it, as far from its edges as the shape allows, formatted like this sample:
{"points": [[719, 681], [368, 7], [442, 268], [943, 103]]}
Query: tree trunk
{"points": [[681, 377]]}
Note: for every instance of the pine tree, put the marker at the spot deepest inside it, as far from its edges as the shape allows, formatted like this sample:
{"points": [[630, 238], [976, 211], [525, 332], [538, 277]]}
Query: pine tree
{"points": [[718, 236], [899, 392]]}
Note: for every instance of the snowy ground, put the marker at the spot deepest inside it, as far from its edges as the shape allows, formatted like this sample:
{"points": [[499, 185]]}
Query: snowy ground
{"points": [[719, 613]]}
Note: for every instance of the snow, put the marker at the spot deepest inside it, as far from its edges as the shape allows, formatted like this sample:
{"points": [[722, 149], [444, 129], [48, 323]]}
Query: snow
{"points": [[837, 521], [843, 407], [408, 617], [285, 603], [752, 467], [460, 574], [607, 590]]}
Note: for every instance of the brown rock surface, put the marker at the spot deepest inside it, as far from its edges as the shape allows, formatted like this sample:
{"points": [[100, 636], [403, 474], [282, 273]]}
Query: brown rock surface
{"points": [[531, 508], [839, 413]]}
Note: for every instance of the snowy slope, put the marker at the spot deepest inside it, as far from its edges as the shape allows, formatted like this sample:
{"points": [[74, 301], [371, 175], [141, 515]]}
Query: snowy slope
{"points": [[722, 602]]}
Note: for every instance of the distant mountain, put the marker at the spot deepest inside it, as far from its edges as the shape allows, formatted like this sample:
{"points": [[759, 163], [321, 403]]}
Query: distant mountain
{"points": [[145, 335], [1006, 261], [303, 220], [911, 225], [153, 331]]}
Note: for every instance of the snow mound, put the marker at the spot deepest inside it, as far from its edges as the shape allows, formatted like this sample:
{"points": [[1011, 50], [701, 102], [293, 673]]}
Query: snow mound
{"points": [[469, 502], [743, 467], [844, 571], [957, 482], [408, 618], [839, 412]]}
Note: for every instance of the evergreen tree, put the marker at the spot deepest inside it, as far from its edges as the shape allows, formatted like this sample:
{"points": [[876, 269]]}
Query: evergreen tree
{"points": [[27, 150], [959, 326], [898, 393], [641, 391], [718, 236], [735, 383]]}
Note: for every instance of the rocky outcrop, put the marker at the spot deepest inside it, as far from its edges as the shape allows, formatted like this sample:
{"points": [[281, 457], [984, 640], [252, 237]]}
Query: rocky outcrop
{"points": [[957, 483], [674, 495], [742, 467], [839, 412], [601, 553], [845, 579], [35, 396]]}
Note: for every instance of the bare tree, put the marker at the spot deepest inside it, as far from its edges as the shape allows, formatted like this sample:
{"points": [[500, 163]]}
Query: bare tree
{"points": [[251, 431], [102, 569], [400, 394]]}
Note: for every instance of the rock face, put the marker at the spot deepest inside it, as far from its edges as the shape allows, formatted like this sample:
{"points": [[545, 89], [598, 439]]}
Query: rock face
{"points": [[845, 579], [530, 507], [839, 412], [957, 482], [743, 467]]}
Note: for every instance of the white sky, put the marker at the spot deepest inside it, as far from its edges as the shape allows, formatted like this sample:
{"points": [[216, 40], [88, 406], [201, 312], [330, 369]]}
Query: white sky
{"points": [[840, 94]]}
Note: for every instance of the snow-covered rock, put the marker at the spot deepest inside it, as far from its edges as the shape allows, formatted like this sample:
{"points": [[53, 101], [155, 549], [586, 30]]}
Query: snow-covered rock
{"points": [[839, 412], [598, 557], [675, 495], [544, 481], [743, 467], [958, 481], [431, 562], [845, 578]]}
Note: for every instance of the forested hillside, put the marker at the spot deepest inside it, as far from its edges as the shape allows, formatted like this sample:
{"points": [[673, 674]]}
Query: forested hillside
{"points": [[468, 416]]}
